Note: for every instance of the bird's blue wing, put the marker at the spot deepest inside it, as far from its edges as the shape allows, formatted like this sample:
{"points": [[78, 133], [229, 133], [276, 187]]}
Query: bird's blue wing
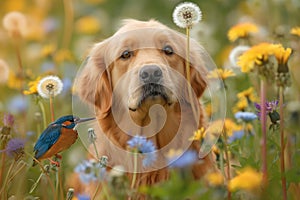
{"points": [[47, 139]]}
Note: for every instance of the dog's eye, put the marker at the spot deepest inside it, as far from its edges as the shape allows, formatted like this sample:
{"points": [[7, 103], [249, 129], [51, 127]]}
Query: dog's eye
{"points": [[126, 54], [168, 50]]}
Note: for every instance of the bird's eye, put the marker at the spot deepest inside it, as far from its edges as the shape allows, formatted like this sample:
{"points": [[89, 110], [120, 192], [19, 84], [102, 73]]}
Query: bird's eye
{"points": [[126, 54], [168, 50]]}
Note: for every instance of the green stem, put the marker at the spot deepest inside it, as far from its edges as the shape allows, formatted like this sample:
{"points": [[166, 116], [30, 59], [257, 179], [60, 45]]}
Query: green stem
{"points": [[44, 172], [228, 163], [3, 156], [282, 144], [42, 107], [96, 151], [134, 169], [263, 119], [188, 72], [3, 190]]}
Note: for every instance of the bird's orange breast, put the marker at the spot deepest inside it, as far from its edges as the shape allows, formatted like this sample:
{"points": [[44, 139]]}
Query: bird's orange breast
{"points": [[65, 140]]}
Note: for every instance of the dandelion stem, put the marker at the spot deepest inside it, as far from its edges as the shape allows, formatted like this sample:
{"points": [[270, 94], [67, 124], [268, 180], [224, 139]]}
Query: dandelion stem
{"points": [[228, 163], [96, 151], [43, 113], [263, 119], [51, 107], [282, 164], [188, 72], [135, 154]]}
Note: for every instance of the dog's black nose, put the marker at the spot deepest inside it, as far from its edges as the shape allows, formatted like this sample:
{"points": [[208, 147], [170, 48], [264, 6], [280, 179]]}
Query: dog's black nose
{"points": [[150, 74]]}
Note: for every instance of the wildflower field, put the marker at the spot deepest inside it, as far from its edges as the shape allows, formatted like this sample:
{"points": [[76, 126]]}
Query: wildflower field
{"points": [[255, 46]]}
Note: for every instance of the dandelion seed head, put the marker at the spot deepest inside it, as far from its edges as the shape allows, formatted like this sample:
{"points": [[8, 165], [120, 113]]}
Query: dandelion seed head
{"points": [[49, 85], [186, 14], [235, 53], [15, 23], [4, 71], [91, 135]]}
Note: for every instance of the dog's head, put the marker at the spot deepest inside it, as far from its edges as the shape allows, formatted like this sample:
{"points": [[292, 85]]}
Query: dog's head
{"points": [[141, 65]]}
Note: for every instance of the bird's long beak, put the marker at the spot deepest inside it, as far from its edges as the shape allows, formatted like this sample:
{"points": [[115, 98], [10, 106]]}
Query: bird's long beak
{"points": [[85, 120]]}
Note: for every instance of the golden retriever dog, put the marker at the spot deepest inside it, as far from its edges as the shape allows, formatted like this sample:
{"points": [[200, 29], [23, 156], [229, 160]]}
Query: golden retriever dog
{"points": [[136, 82]]}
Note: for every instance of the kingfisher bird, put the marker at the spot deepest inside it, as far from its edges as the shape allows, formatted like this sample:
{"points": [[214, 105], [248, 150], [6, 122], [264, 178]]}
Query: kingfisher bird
{"points": [[58, 136]]}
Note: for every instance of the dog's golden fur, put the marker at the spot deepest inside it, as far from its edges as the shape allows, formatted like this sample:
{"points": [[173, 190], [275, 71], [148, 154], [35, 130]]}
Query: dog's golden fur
{"points": [[108, 80]]}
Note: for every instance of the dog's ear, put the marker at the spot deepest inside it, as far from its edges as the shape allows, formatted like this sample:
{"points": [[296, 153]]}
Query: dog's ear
{"points": [[94, 84], [198, 70]]}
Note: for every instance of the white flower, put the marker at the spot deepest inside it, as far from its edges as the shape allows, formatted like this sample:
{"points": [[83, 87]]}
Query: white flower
{"points": [[117, 171], [15, 23], [49, 86], [236, 52], [186, 15], [4, 71]]}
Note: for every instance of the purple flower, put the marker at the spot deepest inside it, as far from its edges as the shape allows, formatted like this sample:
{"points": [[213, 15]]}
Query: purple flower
{"points": [[270, 107], [145, 147], [179, 161], [8, 120], [90, 170], [14, 147], [245, 116]]}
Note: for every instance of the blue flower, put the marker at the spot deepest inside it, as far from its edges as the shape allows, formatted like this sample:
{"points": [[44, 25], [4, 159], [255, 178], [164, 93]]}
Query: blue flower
{"points": [[18, 104], [90, 170], [145, 147], [83, 197], [236, 135], [245, 116], [179, 160]]}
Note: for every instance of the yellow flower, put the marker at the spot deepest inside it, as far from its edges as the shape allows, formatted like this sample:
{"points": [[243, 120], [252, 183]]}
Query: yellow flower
{"points": [[230, 127], [48, 50], [63, 55], [241, 105], [295, 31], [241, 30], [88, 25], [220, 73], [32, 87], [198, 135], [14, 81], [248, 94], [208, 110], [172, 153], [257, 55], [247, 179], [282, 55], [215, 179], [215, 149]]}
